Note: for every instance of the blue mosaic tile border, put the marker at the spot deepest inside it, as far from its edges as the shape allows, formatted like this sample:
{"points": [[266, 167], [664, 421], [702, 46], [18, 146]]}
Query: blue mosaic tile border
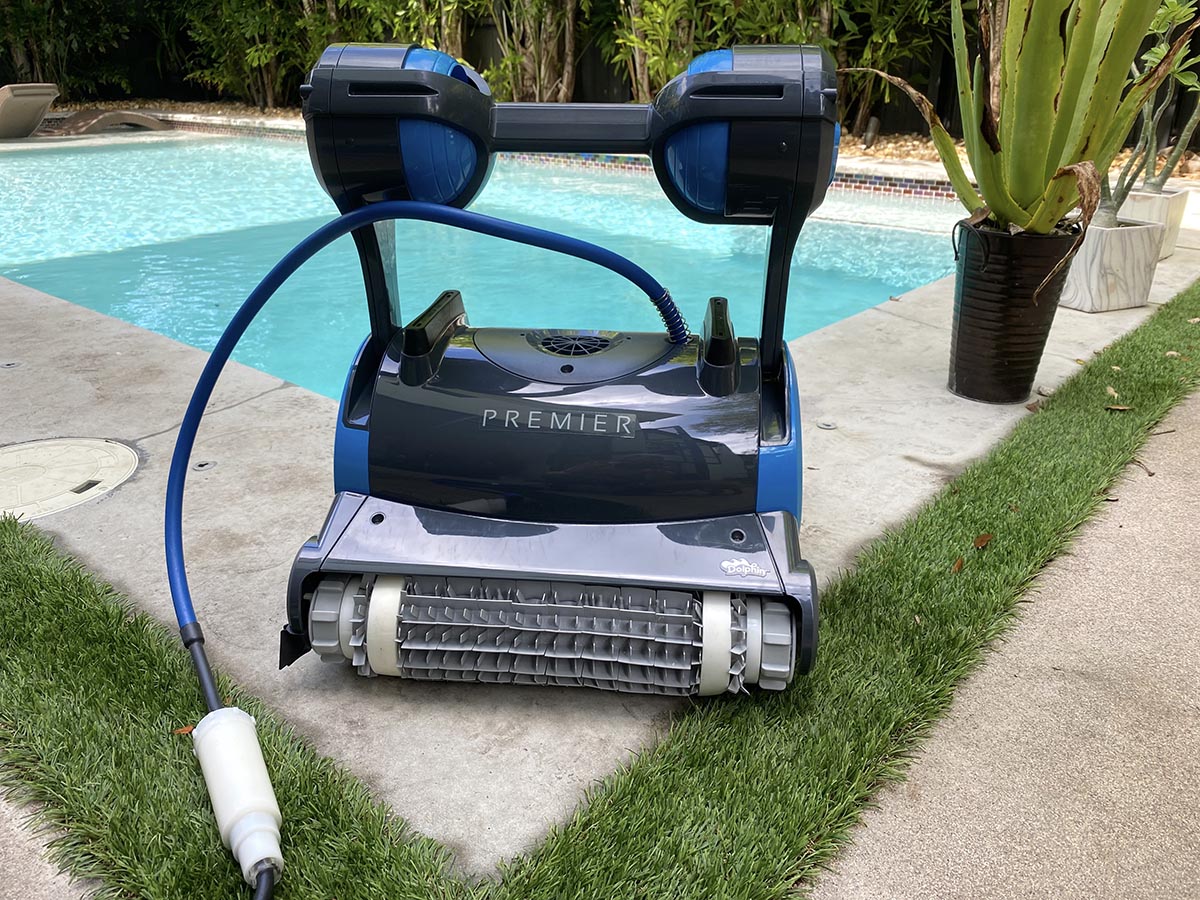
{"points": [[889, 185]]}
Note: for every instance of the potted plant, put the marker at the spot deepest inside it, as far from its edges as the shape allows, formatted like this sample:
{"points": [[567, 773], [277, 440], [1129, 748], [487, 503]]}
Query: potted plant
{"points": [[1151, 202], [1046, 106], [1115, 265]]}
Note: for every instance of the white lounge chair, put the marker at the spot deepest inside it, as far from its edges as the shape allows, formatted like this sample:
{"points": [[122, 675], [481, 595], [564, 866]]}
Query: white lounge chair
{"points": [[22, 108]]}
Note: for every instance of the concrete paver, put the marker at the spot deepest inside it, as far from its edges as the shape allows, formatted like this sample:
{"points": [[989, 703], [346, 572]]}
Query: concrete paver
{"points": [[1069, 765], [25, 873]]}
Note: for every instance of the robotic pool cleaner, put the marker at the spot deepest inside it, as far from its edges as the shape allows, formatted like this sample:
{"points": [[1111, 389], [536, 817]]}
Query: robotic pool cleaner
{"points": [[587, 508]]}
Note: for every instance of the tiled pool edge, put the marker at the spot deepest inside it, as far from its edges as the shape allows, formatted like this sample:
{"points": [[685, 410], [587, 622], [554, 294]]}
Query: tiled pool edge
{"points": [[874, 180]]}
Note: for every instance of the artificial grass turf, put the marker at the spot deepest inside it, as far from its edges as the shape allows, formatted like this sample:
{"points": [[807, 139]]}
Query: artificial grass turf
{"points": [[745, 798]]}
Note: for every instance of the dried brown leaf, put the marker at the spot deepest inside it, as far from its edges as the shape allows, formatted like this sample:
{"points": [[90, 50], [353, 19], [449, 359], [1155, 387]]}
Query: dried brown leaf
{"points": [[978, 217], [1119, 408], [982, 541], [924, 107], [1171, 353], [1081, 362], [1013, 508], [958, 564], [1195, 321], [186, 729], [1033, 407], [1087, 183], [1112, 392], [1042, 392], [1115, 368], [917, 619]]}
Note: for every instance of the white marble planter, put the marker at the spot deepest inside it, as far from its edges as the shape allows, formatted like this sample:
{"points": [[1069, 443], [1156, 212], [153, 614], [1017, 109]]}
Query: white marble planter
{"points": [[1166, 208], [1114, 267]]}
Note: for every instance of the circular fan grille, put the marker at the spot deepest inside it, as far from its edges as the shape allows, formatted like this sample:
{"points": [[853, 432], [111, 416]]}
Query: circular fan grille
{"points": [[574, 344]]}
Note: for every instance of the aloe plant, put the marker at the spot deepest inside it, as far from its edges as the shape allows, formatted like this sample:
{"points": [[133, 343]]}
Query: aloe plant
{"points": [[1048, 110]]}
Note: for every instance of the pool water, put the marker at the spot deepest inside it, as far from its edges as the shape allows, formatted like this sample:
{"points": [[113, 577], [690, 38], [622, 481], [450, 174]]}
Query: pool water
{"points": [[171, 235]]}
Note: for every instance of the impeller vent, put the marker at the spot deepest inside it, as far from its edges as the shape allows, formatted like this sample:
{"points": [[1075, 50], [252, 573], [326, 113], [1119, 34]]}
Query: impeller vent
{"points": [[574, 344]]}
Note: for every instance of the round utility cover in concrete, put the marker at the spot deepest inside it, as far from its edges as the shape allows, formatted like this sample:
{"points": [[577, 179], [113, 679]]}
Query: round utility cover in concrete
{"points": [[42, 477]]}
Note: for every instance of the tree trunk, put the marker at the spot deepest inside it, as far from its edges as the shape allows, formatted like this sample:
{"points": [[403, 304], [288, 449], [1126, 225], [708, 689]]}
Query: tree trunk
{"points": [[566, 87], [1106, 213], [546, 37], [825, 18], [36, 69], [269, 73], [863, 114], [20, 61], [452, 30], [1156, 185], [255, 80], [529, 49], [641, 85], [631, 72], [842, 56], [335, 33]]}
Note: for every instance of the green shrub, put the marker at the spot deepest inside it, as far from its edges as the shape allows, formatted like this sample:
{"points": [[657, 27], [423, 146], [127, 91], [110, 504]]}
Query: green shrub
{"points": [[72, 43]]}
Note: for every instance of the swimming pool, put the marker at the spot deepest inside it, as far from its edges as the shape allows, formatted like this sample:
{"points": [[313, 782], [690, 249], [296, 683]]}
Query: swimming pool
{"points": [[172, 234]]}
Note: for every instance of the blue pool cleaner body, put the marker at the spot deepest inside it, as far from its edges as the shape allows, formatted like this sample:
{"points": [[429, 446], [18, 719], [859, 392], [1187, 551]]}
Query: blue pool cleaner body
{"points": [[616, 510]]}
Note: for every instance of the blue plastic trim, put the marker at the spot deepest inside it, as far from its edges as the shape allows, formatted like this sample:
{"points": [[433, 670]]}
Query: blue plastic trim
{"points": [[781, 466], [712, 61], [697, 160], [426, 60], [697, 157], [438, 160], [350, 468], [837, 144], [181, 596]]}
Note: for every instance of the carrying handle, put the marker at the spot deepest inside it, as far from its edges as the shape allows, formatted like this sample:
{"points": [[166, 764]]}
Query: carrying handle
{"points": [[968, 223], [572, 127]]}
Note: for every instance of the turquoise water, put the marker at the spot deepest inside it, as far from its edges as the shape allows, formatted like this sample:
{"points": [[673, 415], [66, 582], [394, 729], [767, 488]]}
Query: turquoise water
{"points": [[171, 235]]}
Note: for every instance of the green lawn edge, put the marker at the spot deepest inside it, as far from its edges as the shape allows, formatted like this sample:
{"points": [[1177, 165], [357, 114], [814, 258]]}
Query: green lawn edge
{"points": [[746, 797]]}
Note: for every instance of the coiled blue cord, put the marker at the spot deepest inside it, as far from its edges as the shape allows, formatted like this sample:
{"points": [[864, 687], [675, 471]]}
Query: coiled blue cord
{"points": [[395, 209]]}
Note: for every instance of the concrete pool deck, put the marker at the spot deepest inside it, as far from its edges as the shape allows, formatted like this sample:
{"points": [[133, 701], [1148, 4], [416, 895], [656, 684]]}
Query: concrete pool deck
{"points": [[484, 770], [1068, 765]]}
